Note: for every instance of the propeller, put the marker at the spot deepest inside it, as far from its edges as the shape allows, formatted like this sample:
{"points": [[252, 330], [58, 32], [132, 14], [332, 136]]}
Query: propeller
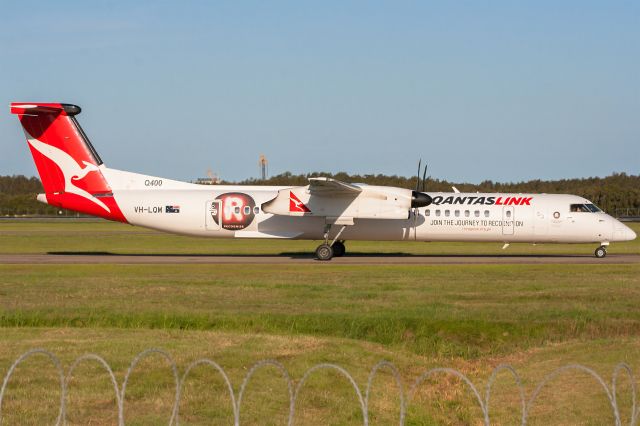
{"points": [[418, 198], [424, 177]]}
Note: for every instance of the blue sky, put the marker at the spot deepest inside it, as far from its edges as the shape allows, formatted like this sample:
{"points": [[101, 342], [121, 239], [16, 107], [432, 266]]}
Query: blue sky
{"points": [[496, 90]]}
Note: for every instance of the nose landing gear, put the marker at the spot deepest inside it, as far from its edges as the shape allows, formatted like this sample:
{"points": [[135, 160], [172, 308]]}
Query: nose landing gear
{"points": [[601, 252]]}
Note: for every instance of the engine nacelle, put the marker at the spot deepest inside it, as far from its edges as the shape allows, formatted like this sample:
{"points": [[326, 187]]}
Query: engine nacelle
{"points": [[372, 202]]}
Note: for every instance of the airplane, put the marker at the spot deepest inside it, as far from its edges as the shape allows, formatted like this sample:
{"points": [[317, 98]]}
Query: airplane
{"points": [[75, 178]]}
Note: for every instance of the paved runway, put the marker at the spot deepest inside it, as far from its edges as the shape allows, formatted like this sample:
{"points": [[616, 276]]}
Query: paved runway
{"points": [[295, 259]]}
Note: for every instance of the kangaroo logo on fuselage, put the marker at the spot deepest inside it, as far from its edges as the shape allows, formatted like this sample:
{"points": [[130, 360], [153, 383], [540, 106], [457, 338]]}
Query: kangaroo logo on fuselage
{"points": [[70, 169]]}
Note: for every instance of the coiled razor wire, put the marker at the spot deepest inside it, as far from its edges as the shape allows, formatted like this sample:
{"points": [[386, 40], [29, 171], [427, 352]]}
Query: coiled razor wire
{"points": [[294, 391]]}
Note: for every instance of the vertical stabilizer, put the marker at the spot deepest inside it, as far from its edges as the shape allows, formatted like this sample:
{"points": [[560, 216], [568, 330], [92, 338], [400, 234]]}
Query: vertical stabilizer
{"points": [[68, 165]]}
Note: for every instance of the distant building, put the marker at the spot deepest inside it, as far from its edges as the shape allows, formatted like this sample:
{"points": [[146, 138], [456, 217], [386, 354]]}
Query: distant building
{"points": [[263, 167], [212, 179]]}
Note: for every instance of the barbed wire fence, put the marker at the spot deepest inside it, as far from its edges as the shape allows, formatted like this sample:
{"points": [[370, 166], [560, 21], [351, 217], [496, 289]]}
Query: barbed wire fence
{"points": [[294, 389]]}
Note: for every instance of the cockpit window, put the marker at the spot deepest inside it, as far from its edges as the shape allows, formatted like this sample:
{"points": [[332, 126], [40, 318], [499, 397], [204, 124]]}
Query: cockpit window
{"points": [[584, 208], [579, 208]]}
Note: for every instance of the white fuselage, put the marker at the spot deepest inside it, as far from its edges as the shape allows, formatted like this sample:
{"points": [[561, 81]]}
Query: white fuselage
{"points": [[235, 212]]}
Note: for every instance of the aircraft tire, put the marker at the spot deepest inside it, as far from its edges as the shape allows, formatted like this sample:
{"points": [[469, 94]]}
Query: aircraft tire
{"points": [[324, 252], [338, 249], [601, 252]]}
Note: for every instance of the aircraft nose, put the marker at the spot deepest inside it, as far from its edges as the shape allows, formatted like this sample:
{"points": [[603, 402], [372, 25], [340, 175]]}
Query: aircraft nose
{"points": [[624, 233]]}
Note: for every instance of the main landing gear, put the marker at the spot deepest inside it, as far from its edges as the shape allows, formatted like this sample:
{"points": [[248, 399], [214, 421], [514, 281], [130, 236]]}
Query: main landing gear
{"points": [[335, 248], [339, 249], [324, 252], [601, 252]]}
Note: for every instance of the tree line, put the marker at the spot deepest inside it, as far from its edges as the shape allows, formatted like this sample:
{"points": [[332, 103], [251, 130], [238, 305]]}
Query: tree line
{"points": [[612, 193], [18, 197]]}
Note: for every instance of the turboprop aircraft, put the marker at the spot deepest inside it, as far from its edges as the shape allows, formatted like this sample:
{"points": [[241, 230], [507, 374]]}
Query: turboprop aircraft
{"points": [[75, 178]]}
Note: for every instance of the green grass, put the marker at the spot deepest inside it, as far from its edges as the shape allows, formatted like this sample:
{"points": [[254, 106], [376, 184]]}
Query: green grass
{"points": [[470, 317], [64, 236], [467, 311], [327, 399]]}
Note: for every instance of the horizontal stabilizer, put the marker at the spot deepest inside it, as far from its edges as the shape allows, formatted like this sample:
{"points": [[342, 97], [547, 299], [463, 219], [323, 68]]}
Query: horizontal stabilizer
{"points": [[21, 108]]}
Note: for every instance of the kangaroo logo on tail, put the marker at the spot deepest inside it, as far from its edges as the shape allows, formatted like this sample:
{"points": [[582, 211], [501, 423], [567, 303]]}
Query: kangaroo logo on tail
{"points": [[70, 169]]}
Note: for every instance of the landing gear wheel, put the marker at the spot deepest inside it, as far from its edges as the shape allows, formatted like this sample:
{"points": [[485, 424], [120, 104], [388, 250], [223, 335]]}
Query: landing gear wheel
{"points": [[324, 252], [338, 249], [601, 252]]}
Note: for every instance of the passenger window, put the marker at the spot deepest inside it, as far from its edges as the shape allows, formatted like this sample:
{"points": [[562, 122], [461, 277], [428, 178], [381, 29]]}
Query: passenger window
{"points": [[236, 210], [477, 213], [466, 213], [256, 210], [247, 210], [486, 213], [427, 212], [457, 213], [438, 212], [508, 213], [446, 213]]}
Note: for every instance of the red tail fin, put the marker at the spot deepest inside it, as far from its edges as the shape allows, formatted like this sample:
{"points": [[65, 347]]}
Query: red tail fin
{"points": [[68, 165]]}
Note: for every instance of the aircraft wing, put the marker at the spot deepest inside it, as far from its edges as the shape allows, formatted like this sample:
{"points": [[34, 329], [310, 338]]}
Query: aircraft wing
{"points": [[324, 186], [335, 200]]}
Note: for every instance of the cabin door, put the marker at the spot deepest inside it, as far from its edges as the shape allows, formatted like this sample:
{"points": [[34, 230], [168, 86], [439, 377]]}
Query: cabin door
{"points": [[507, 220], [540, 223], [213, 215]]}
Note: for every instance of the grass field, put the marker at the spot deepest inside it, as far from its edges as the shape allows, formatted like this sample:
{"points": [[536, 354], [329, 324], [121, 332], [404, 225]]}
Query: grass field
{"points": [[107, 237], [470, 317]]}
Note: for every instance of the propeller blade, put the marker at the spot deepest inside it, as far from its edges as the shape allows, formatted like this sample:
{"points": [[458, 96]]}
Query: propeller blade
{"points": [[424, 176], [418, 175]]}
